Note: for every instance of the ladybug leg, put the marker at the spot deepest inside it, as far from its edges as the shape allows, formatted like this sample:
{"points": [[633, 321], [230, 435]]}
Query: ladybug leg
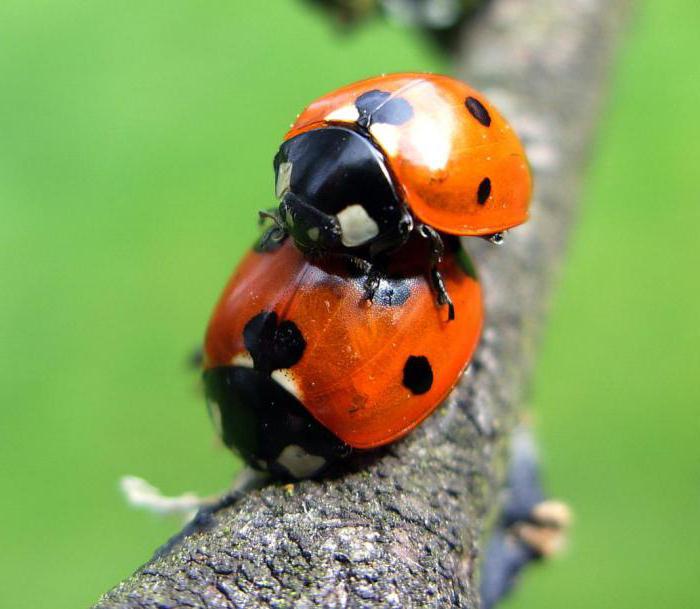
{"points": [[443, 296], [373, 275], [355, 263], [371, 283], [365, 267], [437, 250], [371, 272]]}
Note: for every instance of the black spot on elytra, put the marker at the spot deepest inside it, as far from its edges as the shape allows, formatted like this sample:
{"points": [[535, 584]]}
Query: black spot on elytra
{"points": [[273, 346], [417, 374], [380, 107], [477, 110], [484, 191]]}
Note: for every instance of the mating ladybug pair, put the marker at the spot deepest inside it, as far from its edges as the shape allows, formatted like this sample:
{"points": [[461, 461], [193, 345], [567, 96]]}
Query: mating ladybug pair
{"points": [[332, 334]]}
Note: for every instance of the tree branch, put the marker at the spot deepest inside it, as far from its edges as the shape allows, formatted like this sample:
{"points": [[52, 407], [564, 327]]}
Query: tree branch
{"points": [[405, 529]]}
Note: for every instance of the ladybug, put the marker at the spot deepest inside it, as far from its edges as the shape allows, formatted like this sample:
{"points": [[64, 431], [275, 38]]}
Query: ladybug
{"points": [[300, 369], [369, 165]]}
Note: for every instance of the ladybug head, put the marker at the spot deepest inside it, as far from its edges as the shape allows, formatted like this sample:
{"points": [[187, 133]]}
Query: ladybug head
{"points": [[336, 194]]}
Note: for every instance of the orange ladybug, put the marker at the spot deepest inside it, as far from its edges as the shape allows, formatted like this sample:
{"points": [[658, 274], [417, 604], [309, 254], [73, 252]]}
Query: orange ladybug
{"points": [[300, 368], [370, 164]]}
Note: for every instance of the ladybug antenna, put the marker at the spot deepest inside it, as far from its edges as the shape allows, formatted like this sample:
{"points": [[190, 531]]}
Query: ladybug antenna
{"points": [[277, 232], [270, 215]]}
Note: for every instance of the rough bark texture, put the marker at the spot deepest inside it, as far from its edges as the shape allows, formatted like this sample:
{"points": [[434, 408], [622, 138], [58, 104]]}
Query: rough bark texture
{"points": [[405, 529]]}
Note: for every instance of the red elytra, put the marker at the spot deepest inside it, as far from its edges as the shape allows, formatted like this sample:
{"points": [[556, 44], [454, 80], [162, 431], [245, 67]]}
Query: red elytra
{"points": [[368, 371]]}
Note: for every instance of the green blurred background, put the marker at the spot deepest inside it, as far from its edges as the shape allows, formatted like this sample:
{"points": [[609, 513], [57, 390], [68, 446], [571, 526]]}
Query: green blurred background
{"points": [[136, 146]]}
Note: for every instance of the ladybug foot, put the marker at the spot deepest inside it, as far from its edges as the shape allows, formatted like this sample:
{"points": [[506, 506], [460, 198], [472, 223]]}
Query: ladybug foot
{"points": [[445, 300]]}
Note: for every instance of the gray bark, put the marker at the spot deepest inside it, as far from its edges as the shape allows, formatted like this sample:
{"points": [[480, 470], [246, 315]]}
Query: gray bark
{"points": [[406, 529]]}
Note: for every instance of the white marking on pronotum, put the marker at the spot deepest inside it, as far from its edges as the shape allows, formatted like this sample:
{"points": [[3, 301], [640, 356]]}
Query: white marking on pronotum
{"points": [[298, 462], [387, 136], [356, 225], [344, 114], [285, 377], [216, 417], [242, 359], [313, 233], [284, 177]]}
